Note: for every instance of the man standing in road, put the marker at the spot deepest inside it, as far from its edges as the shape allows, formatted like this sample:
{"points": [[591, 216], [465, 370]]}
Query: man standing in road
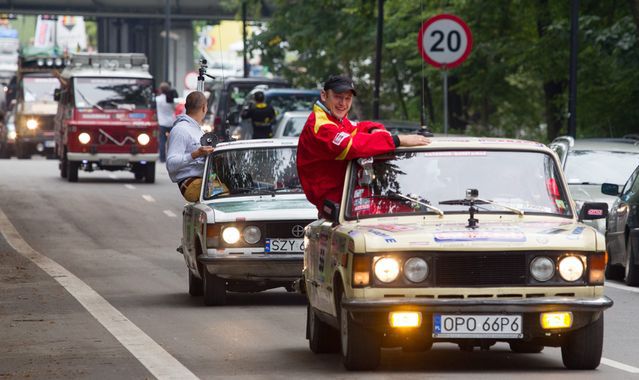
{"points": [[262, 116], [329, 139], [185, 155], [165, 109]]}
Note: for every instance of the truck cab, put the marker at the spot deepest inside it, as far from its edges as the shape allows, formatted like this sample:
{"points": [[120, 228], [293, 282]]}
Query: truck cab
{"points": [[106, 117]]}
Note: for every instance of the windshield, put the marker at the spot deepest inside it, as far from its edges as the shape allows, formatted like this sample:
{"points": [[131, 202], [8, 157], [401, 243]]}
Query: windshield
{"points": [[292, 102], [526, 181], [112, 93], [600, 166], [252, 171], [39, 89], [294, 126]]}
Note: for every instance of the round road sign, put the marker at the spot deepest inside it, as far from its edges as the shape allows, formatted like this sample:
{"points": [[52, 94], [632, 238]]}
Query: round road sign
{"points": [[445, 41], [190, 80]]}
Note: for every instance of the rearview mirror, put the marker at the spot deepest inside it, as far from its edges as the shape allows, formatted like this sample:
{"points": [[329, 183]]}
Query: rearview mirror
{"points": [[331, 211], [593, 210], [610, 189], [56, 94]]}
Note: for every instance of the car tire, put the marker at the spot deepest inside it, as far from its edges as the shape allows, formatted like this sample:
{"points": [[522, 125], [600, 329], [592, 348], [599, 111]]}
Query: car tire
{"points": [[63, 166], [360, 346], [614, 272], [149, 172], [582, 348], [196, 287], [214, 289], [632, 269], [72, 170], [22, 152], [525, 347], [322, 338]]}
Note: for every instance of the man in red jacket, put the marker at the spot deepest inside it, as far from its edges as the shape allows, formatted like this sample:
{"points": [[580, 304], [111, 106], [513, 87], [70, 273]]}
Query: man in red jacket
{"points": [[329, 140]]}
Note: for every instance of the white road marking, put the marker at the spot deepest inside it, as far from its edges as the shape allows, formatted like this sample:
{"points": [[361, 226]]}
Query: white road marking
{"points": [[169, 213], [621, 366], [148, 198], [129, 186], [150, 354], [622, 287]]}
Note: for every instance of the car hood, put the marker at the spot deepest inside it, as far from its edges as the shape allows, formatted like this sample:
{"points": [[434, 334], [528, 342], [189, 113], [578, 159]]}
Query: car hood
{"points": [[590, 193], [261, 208], [563, 235]]}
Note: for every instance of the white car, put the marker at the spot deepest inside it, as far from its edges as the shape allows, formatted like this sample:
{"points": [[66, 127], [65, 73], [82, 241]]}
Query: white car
{"points": [[246, 233], [290, 124]]}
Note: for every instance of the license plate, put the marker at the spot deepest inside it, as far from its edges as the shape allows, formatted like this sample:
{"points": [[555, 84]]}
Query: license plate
{"points": [[284, 246], [477, 326], [113, 162], [49, 143]]}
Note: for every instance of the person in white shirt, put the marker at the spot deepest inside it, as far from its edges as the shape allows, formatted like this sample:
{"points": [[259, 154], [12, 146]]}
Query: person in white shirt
{"points": [[165, 110]]}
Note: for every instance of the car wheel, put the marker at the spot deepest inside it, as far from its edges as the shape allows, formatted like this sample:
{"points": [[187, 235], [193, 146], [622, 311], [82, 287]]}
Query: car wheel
{"points": [[525, 347], [138, 172], [214, 289], [72, 170], [632, 269], [149, 172], [360, 346], [322, 338], [63, 166], [582, 348], [22, 151], [196, 287]]}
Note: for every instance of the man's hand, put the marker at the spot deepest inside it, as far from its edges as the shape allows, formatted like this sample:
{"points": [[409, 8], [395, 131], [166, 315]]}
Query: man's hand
{"points": [[413, 140], [202, 151]]}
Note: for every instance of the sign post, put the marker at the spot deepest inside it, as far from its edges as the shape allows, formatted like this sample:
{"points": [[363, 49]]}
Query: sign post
{"points": [[445, 41]]}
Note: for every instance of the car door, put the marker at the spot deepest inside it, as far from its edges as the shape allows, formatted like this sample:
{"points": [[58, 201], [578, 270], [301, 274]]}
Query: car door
{"points": [[317, 256], [188, 235], [618, 219]]}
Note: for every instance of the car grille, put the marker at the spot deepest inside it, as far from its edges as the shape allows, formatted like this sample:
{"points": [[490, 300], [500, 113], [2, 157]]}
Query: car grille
{"points": [[480, 269], [283, 229]]}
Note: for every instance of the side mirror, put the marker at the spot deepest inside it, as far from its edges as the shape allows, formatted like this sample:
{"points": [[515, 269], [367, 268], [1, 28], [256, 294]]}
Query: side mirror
{"points": [[593, 210], [610, 189], [56, 94], [331, 210]]}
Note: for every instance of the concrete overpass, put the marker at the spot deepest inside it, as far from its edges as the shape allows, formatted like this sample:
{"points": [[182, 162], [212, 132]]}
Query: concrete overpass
{"points": [[139, 26]]}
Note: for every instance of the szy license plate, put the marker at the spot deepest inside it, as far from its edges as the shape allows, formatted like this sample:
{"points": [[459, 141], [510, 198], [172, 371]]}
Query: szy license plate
{"points": [[477, 326], [113, 162], [284, 246]]}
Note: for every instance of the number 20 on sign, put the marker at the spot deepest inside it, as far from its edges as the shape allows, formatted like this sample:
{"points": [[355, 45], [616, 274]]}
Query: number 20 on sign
{"points": [[445, 41]]}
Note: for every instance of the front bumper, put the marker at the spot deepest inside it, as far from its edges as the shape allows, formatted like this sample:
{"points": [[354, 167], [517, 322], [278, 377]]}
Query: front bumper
{"points": [[97, 157], [273, 267]]}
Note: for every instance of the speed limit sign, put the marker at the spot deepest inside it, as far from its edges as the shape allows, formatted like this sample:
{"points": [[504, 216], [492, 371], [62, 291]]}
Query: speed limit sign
{"points": [[445, 41]]}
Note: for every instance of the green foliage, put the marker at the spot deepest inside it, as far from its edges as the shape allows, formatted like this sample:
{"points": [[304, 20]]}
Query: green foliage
{"points": [[515, 82]]}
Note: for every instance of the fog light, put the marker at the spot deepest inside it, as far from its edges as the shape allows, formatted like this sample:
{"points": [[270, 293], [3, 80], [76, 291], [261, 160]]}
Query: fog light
{"points": [[143, 138], [32, 124], [405, 318], [84, 138], [556, 320], [252, 234], [231, 235]]}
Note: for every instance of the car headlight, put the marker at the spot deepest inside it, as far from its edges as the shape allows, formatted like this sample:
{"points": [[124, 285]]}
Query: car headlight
{"points": [[416, 269], [84, 138], [143, 138], [542, 268], [252, 234], [32, 124], [231, 235], [386, 269], [571, 268]]}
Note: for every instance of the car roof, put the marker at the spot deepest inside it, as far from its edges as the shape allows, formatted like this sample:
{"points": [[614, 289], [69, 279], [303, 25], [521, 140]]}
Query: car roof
{"points": [[257, 80], [291, 91], [257, 143], [475, 143], [296, 113], [606, 144]]}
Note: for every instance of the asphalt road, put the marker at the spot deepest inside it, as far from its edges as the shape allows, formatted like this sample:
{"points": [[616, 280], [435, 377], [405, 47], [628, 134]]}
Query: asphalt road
{"points": [[124, 311]]}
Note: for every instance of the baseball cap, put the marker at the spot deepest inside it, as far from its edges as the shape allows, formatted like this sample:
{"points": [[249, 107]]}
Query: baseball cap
{"points": [[339, 84]]}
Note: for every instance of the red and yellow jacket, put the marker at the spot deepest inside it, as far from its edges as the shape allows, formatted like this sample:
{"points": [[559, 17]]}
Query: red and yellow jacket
{"points": [[325, 146]]}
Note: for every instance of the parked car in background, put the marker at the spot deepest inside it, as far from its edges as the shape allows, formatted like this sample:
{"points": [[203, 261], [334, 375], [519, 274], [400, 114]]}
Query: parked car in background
{"points": [[226, 98], [588, 163], [8, 135], [468, 241], [282, 100], [622, 231], [246, 233], [290, 124]]}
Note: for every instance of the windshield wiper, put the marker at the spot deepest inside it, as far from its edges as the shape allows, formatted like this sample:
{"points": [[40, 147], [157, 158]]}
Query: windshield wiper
{"points": [[87, 100], [419, 201], [479, 201]]}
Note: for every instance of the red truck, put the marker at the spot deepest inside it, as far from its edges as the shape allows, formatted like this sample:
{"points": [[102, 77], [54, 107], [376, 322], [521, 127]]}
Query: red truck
{"points": [[106, 117]]}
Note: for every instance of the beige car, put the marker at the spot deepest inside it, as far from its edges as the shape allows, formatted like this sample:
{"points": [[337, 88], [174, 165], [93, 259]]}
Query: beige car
{"points": [[467, 240]]}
